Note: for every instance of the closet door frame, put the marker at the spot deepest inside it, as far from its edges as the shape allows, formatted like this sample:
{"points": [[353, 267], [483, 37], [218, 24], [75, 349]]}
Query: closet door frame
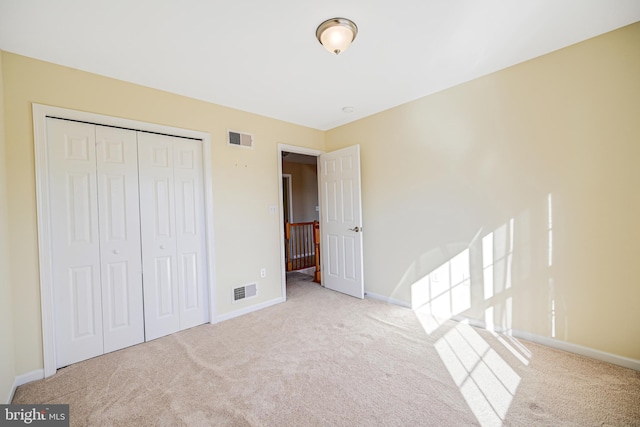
{"points": [[40, 114]]}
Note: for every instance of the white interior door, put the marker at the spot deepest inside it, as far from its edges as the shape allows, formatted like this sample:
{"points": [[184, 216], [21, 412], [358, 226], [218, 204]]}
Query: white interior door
{"points": [[190, 232], [75, 241], [341, 221], [158, 231], [120, 252]]}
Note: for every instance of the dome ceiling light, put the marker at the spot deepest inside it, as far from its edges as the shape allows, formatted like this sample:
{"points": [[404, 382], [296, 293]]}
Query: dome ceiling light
{"points": [[336, 34]]}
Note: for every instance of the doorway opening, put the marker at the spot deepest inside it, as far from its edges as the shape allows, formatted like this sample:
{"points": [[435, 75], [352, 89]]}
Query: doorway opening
{"points": [[299, 213], [340, 218]]}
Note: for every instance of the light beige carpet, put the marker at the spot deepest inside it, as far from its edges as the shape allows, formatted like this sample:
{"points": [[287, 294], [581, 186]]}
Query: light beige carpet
{"points": [[325, 359]]}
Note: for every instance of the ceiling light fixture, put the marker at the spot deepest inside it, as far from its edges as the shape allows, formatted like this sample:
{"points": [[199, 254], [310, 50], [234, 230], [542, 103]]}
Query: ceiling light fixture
{"points": [[336, 34]]}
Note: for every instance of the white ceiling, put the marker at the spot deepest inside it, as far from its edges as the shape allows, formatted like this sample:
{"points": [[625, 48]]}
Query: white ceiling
{"points": [[263, 57]]}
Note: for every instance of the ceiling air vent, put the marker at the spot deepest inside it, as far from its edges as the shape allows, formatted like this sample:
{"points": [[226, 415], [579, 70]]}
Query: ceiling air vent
{"points": [[240, 139], [246, 291]]}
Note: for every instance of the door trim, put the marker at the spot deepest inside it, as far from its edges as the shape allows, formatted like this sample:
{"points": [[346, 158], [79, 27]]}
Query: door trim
{"points": [[40, 114], [297, 150], [288, 178]]}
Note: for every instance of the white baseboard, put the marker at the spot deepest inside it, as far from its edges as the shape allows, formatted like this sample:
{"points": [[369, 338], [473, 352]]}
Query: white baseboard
{"points": [[23, 379], [250, 309], [476, 323], [12, 391], [625, 362], [387, 299], [614, 359]]}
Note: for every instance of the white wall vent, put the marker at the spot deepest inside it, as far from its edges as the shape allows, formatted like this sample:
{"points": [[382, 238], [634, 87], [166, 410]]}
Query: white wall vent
{"points": [[246, 291], [240, 139]]}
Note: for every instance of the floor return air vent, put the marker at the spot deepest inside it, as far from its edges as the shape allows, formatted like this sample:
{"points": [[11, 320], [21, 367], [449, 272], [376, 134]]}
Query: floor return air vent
{"points": [[246, 291]]}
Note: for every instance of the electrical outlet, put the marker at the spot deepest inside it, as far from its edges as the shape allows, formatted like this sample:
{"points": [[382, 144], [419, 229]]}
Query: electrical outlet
{"points": [[263, 272], [273, 209]]}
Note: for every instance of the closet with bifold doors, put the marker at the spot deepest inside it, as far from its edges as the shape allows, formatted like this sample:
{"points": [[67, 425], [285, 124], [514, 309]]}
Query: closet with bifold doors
{"points": [[127, 237]]}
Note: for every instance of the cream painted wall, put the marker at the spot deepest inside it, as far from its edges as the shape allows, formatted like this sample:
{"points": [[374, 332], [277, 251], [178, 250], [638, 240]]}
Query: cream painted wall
{"points": [[304, 183], [245, 181], [483, 159], [7, 363]]}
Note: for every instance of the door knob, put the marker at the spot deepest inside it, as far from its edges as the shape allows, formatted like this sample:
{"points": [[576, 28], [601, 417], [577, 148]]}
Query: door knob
{"points": [[161, 246], [356, 229], [117, 252]]}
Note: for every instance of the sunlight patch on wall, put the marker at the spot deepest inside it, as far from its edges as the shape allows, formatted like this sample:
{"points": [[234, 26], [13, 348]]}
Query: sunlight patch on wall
{"points": [[497, 259], [487, 265], [446, 291], [488, 319], [449, 290]]}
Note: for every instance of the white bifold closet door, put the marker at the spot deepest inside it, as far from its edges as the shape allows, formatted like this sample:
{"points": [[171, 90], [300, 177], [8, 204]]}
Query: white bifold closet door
{"points": [[120, 248], [128, 237], [96, 239], [173, 234]]}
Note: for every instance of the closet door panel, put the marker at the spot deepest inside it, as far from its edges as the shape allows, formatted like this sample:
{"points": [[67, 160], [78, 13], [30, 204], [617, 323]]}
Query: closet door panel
{"points": [[75, 240], [190, 232], [117, 175], [158, 232]]}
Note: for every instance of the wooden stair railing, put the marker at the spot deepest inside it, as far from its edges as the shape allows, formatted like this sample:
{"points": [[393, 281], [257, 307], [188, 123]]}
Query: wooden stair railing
{"points": [[302, 246], [316, 243]]}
